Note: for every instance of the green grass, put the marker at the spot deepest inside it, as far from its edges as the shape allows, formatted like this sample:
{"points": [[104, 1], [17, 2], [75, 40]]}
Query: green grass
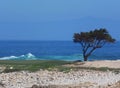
{"points": [[35, 65], [31, 65]]}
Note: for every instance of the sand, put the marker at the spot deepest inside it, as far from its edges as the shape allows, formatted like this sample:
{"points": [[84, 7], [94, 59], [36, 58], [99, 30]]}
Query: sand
{"points": [[98, 64]]}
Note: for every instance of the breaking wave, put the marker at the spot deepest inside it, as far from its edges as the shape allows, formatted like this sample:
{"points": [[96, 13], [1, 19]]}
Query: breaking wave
{"points": [[30, 56]]}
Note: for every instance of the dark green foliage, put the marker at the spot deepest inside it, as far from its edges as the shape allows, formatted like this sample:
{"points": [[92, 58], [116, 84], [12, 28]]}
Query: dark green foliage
{"points": [[92, 40]]}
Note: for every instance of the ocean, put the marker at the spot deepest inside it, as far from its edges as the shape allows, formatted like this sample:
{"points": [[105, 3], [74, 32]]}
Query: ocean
{"points": [[54, 50]]}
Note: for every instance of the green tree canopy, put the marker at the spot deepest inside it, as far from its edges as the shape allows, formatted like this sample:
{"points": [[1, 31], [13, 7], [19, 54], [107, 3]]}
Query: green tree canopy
{"points": [[92, 40]]}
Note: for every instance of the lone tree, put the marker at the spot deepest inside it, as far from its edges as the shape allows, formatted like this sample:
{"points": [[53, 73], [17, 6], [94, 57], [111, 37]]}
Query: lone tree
{"points": [[92, 40]]}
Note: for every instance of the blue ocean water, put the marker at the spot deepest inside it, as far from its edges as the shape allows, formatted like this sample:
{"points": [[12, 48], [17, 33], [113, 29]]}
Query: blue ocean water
{"points": [[53, 50]]}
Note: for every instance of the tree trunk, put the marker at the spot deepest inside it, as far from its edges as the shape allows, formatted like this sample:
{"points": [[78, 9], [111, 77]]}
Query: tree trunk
{"points": [[85, 58], [87, 55]]}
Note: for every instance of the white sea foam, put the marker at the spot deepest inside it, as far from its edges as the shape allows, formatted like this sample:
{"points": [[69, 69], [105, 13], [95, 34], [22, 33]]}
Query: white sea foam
{"points": [[28, 56], [7, 58]]}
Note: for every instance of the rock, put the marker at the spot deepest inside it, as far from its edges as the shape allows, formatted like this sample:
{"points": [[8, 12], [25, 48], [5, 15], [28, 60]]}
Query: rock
{"points": [[116, 85], [2, 85], [55, 79], [2, 69], [35, 86]]}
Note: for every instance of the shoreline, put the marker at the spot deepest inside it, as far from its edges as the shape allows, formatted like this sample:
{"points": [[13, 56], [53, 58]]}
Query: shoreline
{"points": [[63, 79]]}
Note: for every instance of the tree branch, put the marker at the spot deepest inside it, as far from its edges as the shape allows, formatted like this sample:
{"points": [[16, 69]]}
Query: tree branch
{"points": [[91, 51]]}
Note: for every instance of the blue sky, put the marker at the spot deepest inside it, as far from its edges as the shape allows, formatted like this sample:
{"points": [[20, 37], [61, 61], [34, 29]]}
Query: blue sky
{"points": [[56, 19]]}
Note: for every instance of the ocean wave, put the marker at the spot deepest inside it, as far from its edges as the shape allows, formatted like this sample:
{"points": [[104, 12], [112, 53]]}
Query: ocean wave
{"points": [[28, 56]]}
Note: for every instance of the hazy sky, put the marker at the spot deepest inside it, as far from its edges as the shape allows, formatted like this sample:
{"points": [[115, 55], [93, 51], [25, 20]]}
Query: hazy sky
{"points": [[56, 19]]}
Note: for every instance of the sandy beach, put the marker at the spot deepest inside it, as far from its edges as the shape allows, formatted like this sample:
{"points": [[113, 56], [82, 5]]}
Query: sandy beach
{"points": [[98, 64], [82, 78]]}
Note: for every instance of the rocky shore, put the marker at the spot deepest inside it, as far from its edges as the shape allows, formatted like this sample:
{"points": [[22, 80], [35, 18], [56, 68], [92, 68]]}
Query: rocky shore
{"points": [[55, 79]]}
